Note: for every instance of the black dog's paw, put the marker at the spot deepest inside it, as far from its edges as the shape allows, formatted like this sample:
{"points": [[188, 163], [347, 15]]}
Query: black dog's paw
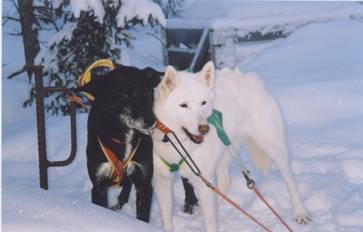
{"points": [[118, 206], [189, 207]]}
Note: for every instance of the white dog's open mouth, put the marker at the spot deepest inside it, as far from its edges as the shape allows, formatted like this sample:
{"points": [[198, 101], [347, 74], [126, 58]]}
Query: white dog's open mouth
{"points": [[195, 138]]}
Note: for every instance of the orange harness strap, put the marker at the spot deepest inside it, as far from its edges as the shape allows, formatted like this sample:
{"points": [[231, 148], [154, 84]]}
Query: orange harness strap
{"points": [[162, 127], [117, 167]]}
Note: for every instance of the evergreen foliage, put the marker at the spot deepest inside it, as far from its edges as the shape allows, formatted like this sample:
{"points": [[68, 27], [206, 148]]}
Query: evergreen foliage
{"points": [[78, 43], [171, 8]]}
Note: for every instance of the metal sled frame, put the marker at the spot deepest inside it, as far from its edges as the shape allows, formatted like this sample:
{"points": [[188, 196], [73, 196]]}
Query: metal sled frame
{"points": [[40, 92]]}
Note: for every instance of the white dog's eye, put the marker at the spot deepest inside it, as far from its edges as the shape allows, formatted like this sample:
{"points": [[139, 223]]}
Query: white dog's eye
{"points": [[184, 105], [204, 102]]}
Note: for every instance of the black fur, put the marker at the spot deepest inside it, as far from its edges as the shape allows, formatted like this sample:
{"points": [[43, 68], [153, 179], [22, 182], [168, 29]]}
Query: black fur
{"points": [[190, 200], [123, 104]]}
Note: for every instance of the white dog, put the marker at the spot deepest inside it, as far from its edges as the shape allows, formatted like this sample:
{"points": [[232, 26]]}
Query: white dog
{"points": [[250, 116]]}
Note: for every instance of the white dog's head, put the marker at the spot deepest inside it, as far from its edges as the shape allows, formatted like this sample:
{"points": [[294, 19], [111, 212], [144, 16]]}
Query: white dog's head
{"points": [[186, 100]]}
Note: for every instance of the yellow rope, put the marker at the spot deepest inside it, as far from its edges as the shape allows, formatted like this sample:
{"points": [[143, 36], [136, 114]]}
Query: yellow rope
{"points": [[86, 76]]}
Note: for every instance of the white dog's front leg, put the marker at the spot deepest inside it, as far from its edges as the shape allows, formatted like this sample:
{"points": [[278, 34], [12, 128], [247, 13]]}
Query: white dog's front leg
{"points": [[207, 199], [164, 194]]}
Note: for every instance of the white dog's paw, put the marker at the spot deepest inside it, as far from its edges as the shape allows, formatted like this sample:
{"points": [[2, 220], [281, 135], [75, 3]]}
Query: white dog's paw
{"points": [[168, 227], [303, 219]]}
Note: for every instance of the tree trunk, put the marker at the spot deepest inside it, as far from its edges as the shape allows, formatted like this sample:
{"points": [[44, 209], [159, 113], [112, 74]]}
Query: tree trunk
{"points": [[29, 33]]}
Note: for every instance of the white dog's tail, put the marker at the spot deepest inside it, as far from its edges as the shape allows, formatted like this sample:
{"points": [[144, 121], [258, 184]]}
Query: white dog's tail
{"points": [[258, 156]]}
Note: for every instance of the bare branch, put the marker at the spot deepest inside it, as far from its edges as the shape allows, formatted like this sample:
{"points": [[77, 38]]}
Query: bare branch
{"points": [[15, 4], [15, 34], [11, 18], [47, 20], [17, 72]]}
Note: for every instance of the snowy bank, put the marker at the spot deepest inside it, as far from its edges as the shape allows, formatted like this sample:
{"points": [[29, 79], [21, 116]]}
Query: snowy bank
{"points": [[316, 75]]}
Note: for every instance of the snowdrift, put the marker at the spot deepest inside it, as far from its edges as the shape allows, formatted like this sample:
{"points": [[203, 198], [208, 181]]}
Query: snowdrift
{"points": [[316, 75]]}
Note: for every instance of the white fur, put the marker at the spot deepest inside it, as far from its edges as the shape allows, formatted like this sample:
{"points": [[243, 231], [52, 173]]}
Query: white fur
{"points": [[103, 171], [251, 117], [128, 141], [131, 123]]}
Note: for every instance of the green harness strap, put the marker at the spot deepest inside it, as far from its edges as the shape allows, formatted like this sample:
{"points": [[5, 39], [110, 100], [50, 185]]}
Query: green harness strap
{"points": [[173, 167], [216, 119], [189, 69]]}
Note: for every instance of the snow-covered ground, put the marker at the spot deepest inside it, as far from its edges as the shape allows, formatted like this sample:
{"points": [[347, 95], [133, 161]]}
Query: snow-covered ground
{"points": [[265, 15], [317, 76]]}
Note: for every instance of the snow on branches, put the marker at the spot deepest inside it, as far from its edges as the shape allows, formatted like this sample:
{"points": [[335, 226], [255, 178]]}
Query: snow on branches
{"points": [[131, 9], [142, 10], [91, 30]]}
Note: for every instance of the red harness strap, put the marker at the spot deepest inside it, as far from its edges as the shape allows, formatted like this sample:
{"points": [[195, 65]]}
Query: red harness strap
{"points": [[117, 167], [162, 127]]}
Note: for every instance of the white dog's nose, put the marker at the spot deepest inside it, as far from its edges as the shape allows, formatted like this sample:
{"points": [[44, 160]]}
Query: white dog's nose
{"points": [[203, 129]]}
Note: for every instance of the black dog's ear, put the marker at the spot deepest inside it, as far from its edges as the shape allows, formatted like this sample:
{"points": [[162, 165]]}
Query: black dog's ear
{"points": [[96, 86], [152, 76]]}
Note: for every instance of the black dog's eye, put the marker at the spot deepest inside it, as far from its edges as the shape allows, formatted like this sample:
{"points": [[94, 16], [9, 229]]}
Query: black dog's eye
{"points": [[184, 105], [204, 102]]}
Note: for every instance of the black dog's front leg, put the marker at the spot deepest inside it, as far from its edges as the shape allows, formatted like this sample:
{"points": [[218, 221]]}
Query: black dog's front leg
{"points": [[124, 196], [143, 201], [99, 195], [144, 191], [190, 198]]}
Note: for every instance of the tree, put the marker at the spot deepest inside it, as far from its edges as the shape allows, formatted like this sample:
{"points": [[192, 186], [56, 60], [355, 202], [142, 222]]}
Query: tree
{"points": [[29, 32], [92, 30], [33, 16], [171, 8]]}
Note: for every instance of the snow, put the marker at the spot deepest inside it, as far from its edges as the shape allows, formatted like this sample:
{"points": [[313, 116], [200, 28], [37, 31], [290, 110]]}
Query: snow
{"points": [[14, 93], [47, 57], [131, 9], [9, 54], [315, 74], [259, 14], [30, 207], [353, 170], [87, 5], [140, 9], [233, 21], [330, 86], [146, 49]]}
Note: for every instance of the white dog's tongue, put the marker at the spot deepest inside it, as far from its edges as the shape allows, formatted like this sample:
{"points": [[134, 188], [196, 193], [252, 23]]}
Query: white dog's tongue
{"points": [[198, 138]]}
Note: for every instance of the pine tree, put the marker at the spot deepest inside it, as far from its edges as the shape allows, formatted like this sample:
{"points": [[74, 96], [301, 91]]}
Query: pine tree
{"points": [[86, 36], [171, 8]]}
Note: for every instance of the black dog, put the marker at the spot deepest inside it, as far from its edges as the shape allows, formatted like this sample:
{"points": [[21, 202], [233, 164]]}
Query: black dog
{"points": [[119, 121]]}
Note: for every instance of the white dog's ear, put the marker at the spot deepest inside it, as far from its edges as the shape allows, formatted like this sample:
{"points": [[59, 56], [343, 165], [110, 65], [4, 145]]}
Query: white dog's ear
{"points": [[207, 74], [169, 82]]}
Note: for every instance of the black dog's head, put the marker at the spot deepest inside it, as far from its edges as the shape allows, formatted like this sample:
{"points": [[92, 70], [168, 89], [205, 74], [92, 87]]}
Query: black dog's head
{"points": [[126, 94]]}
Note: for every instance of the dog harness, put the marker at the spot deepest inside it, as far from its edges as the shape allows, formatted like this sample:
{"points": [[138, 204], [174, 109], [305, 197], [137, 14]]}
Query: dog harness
{"points": [[216, 119], [117, 173], [173, 167]]}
